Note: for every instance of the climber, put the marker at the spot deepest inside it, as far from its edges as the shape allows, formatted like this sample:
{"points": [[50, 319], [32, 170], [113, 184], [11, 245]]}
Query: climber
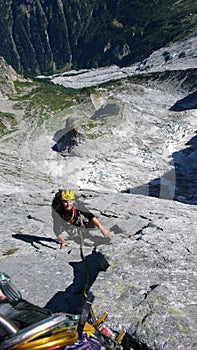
{"points": [[67, 210]]}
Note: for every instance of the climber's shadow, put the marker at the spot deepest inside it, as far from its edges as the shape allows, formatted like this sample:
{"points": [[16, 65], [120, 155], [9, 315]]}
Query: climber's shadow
{"points": [[85, 273], [33, 240]]}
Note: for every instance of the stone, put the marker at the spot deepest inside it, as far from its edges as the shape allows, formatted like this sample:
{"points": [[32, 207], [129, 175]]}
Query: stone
{"points": [[136, 170]]}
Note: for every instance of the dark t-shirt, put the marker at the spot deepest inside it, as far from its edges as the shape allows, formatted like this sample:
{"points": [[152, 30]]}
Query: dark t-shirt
{"points": [[80, 212], [61, 217]]}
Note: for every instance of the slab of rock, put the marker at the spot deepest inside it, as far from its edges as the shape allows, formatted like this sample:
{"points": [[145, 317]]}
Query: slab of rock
{"points": [[135, 168]]}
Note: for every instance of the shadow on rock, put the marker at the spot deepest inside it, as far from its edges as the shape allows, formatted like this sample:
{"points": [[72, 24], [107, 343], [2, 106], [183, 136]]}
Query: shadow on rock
{"points": [[66, 139], [180, 183], [130, 343], [109, 110], [87, 239], [188, 102], [85, 273], [35, 239]]}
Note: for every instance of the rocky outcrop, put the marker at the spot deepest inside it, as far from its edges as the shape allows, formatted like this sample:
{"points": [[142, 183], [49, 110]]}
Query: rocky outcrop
{"points": [[149, 287], [7, 78]]}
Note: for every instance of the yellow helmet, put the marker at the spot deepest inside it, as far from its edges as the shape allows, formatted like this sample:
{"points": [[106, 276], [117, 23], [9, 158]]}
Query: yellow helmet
{"points": [[68, 195]]}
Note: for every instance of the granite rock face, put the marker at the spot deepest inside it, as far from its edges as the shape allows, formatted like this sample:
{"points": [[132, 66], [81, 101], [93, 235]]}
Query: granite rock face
{"points": [[133, 163]]}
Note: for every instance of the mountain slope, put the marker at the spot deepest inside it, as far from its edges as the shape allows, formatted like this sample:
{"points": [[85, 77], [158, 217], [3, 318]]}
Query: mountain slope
{"points": [[128, 149], [129, 138], [46, 36]]}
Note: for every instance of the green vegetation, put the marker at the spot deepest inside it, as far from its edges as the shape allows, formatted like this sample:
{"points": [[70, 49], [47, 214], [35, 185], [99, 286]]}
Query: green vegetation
{"points": [[88, 126], [40, 100], [55, 97], [87, 34], [44, 95], [186, 79], [21, 85], [5, 120], [11, 251]]}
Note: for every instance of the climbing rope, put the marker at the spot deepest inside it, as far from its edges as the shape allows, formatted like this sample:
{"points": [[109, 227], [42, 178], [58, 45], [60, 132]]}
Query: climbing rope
{"points": [[93, 315]]}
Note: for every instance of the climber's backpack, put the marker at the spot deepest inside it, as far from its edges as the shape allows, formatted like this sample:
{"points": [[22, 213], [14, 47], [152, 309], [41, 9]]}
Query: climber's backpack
{"points": [[57, 199]]}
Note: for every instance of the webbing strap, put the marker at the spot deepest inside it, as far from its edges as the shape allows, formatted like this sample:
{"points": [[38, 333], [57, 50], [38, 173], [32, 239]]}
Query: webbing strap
{"points": [[85, 313]]}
